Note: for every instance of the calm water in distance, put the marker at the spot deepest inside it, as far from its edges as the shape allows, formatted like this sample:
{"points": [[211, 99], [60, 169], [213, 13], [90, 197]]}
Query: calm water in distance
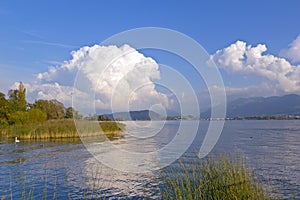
{"points": [[271, 148]]}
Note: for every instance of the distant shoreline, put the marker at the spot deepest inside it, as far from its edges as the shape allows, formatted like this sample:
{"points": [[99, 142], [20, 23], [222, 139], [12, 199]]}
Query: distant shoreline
{"points": [[288, 117], [257, 118]]}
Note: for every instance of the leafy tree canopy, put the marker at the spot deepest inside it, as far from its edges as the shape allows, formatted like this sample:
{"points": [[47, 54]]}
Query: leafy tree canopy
{"points": [[15, 109]]}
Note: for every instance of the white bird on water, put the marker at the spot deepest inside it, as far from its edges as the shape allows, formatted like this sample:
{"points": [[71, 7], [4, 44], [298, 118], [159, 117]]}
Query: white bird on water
{"points": [[16, 140]]}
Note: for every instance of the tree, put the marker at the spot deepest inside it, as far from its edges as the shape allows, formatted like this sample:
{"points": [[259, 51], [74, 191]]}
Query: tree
{"points": [[69, 113], [57, 108], [3, 107], [4, 114], [22, 97], [36, 116], [13, 101], [42, 105], [104, 118], [53, 108], [26, 117], [17, 98]]}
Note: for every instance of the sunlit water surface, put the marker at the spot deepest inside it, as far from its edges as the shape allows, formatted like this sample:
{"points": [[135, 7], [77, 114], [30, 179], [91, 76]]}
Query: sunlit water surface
{"points": [[65, 169]]}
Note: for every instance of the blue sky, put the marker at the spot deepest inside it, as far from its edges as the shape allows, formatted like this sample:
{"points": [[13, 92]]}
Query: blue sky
{"points": [[36, 35]]}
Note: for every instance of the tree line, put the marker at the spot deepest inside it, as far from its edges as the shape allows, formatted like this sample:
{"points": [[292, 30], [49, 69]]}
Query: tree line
{"points": [[16, 110]]}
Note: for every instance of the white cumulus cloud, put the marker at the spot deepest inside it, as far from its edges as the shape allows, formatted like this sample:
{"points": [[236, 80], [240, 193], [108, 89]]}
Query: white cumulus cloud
{"points": [[292, 53], [118, 76], [277, 73]]}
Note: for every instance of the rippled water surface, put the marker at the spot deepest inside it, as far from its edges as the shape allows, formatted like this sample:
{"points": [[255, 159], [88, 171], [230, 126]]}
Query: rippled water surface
{"points": [[66, 169]]}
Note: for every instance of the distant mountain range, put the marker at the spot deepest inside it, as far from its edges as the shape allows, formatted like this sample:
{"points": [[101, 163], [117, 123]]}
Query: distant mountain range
{"points": [[136, 115], [262, 106], [239, 108]]}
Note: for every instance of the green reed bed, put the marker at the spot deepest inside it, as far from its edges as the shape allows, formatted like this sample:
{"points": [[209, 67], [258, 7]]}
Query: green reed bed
{"points": [[219, 177], [53, 129]]}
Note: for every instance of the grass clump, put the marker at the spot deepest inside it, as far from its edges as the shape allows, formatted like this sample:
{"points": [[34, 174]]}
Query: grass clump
{"points": [[219, 177]]}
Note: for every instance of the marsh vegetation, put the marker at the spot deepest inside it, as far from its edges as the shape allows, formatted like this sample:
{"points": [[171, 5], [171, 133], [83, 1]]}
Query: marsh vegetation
{"points": [[218, 177], [47, 119], [66, 128]]}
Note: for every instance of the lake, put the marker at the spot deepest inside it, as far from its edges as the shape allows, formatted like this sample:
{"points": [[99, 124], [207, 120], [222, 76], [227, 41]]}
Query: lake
{"points": [[66, 169]]}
